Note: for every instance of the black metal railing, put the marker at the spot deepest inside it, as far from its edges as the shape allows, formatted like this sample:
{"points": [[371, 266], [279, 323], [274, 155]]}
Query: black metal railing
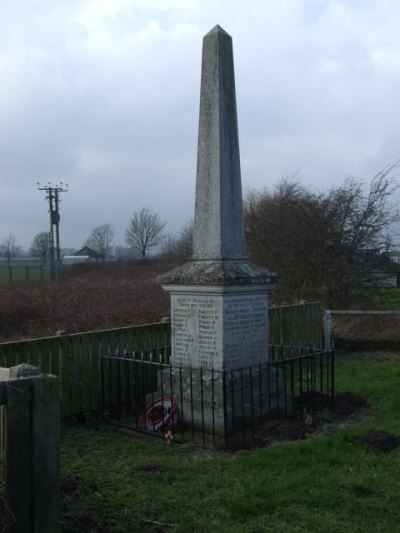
{"points": [[205, 405]]}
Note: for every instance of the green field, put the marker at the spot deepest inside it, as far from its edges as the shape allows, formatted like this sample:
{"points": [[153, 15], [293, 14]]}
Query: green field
{"points": [[122, 483], [21, 274], [388, 299]]}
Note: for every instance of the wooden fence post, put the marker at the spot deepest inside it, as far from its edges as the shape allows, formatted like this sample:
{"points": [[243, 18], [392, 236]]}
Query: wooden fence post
{"points": [[46, 454], [328, 330], [18, 453], [32, 459]]}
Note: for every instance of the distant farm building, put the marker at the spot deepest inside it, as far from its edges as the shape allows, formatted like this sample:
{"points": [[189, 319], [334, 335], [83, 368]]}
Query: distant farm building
{"points": [[84, 255]]}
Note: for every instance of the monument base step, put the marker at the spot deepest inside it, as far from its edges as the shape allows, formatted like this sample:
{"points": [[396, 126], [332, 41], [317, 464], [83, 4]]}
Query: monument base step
{"points": [[223, 403]]}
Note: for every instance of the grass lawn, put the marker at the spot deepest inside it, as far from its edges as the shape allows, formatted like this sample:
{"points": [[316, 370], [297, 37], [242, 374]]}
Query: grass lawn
{"points": [[121, 483], [21, 274], [388, 299]]}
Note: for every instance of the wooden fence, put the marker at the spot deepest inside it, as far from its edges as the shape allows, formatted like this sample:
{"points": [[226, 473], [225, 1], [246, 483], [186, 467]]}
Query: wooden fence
{"points": [[297, 325], [76, 358]]}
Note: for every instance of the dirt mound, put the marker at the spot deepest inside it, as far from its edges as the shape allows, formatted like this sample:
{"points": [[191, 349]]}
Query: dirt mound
{"points": [[79, 498], [317, 408], [378, 440], [284, 430], [347, 403], [313, 400], [245, 443]]}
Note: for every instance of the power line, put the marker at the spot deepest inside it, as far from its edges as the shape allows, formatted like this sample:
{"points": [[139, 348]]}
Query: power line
{"points": [[53, 196]]}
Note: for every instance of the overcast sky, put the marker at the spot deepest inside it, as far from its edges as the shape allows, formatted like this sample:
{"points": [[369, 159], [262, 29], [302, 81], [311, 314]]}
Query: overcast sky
{"points": [[104, 95]]}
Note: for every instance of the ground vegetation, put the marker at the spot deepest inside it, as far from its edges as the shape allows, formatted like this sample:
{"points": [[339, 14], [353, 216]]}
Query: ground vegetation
{"points": [[341, 474], [86, 297]]}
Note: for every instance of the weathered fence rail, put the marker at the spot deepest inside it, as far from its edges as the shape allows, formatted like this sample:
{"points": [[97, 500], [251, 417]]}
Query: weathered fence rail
{"points": [[76, 358], [361, 313]]}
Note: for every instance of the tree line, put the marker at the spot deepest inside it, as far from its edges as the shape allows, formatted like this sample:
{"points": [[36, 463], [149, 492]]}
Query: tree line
{"points": [[319, 243], [143, 233]]}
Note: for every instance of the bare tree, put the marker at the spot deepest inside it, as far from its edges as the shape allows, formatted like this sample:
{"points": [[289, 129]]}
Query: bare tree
{"points": [[180, 247], [144, 230], [316, 242], [9, 249], [101, 240], [40, 246]]}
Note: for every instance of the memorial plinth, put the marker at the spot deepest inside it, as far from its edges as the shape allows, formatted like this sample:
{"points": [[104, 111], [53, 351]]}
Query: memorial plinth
{"points": [[219, 299]]}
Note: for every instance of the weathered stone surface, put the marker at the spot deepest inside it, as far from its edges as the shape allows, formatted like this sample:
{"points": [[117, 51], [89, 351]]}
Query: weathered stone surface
{"points": [[218, 228], [217, 272], [219, 300], [219, 329], [225, 402], [23, 371], [219, 252]]}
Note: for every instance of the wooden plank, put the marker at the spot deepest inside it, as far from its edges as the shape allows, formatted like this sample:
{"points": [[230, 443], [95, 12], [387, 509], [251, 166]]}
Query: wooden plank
{"points": [[3, 357], [273, 326], [11, 357], [85, 373], [281, 315], [167, 342], [104, 382], [95, 369], [54, 356], [64, 356], [291, 338], [353, 312], [148, 342], [3, 442], [319, 326], [76, 386], [125, 340], [112, 376], [299, 325], [41, 356], [138, 332], [35, 352], [122, 382]]}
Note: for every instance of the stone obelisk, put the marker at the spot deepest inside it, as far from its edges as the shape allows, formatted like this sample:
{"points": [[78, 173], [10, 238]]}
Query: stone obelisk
{"points": [[219, 300]]}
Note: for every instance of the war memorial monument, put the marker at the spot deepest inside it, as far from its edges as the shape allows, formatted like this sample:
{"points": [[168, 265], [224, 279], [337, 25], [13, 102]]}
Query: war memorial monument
{"points": [[219, 299]]}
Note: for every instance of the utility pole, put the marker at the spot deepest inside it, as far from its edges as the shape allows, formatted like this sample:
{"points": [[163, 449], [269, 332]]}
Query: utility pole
{"points": [[52, 195]]}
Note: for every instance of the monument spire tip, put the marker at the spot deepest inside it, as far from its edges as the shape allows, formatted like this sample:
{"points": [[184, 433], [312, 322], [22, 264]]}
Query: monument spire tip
{"points": [[217, 29]]}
